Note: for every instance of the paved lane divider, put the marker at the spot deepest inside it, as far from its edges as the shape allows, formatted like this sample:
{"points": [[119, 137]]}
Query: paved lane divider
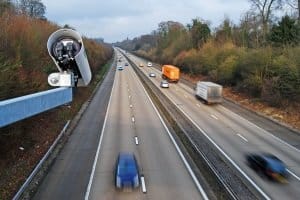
{"points": [[143, 184], [243, 138], [136, 140], [213, 116], [294, 175]]}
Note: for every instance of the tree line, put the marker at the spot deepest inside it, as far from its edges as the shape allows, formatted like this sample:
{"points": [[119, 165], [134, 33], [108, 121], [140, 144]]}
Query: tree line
{"points": [[258, 56], [24, 60]]}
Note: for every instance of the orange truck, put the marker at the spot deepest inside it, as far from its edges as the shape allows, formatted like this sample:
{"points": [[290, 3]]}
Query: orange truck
{"points": [[170, 72]]}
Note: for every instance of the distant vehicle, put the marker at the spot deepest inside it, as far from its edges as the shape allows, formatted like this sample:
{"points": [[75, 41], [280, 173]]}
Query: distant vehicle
{"points": [[152, 74], [126, 64], [141, 65], [269, 165], [149, 64], [120, 67], [209, 92], [127, 173], [164, 84], [171, 73]]}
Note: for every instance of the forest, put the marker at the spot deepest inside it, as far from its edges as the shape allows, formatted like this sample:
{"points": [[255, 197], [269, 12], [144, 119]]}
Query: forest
{"points": [[258, 56]]}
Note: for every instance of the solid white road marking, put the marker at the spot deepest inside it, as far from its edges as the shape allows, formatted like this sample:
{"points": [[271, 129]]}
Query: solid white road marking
{"points": [[130, 106], [136, 140], [143, 184], [132, 119], [294, 175], [129, 96], [214, 117], [242, 137]]}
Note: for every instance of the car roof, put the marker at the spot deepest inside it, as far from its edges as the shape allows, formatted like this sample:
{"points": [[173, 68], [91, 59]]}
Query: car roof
{"points": [[127, 164], [272, 162]]}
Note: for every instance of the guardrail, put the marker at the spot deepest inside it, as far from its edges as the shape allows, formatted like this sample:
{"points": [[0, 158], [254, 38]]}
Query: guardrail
{"points": [[40, 164]]}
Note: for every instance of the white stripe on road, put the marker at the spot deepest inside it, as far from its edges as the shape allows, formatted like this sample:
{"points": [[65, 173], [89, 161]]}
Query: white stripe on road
{"points": [[143, 184], [88, 190], [294, 175], [136, 140], [130, 106], [213, 116], [242, 137], [132, 119]]}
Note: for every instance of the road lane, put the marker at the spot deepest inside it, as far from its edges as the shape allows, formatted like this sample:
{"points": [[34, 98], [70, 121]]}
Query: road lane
{"points": [[68, 176], [165, 174], [224, 128]]}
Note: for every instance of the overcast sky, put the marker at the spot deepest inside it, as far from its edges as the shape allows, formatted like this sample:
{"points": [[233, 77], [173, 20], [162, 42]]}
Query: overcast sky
{"points": [[115, 20]]}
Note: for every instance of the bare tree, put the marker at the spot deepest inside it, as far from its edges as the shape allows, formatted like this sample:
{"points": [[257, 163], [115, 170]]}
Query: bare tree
{"points": [[265, 9], [295, 4], [33, 8]]}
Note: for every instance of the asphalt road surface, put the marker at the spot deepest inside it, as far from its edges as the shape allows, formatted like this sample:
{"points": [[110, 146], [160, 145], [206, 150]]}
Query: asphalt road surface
{"points": [[69, 175], [237, 136], [130, 114]]}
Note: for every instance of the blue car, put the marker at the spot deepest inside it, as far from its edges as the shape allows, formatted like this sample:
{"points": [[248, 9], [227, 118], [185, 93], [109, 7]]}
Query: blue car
{"points": [[269, 165], [127, 173]]}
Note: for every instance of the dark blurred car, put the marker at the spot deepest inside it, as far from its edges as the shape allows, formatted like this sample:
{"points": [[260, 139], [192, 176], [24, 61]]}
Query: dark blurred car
{"points": [[269, 165], [127, 174], [126, 64]]}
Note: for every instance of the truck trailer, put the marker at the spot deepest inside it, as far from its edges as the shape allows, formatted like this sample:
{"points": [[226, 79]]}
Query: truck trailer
{"points": [[171, 73], [209, 92]]}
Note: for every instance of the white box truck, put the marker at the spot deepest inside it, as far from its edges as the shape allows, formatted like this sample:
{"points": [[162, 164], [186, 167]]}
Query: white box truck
{"points": [[209, 92]]}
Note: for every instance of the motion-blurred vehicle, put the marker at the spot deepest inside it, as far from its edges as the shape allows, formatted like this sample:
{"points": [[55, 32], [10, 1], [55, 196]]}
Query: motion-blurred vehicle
{"points": [[164, 84], [149, 64], [126, 64], [120, 67], [269, 165], [171, 73], [209, 92], [127, 173], [151, 74], [141, 65]]}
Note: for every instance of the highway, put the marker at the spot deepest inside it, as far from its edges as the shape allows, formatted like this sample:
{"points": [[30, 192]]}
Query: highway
{"points": [[235, 136], [131, 115], [119, 115]]}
